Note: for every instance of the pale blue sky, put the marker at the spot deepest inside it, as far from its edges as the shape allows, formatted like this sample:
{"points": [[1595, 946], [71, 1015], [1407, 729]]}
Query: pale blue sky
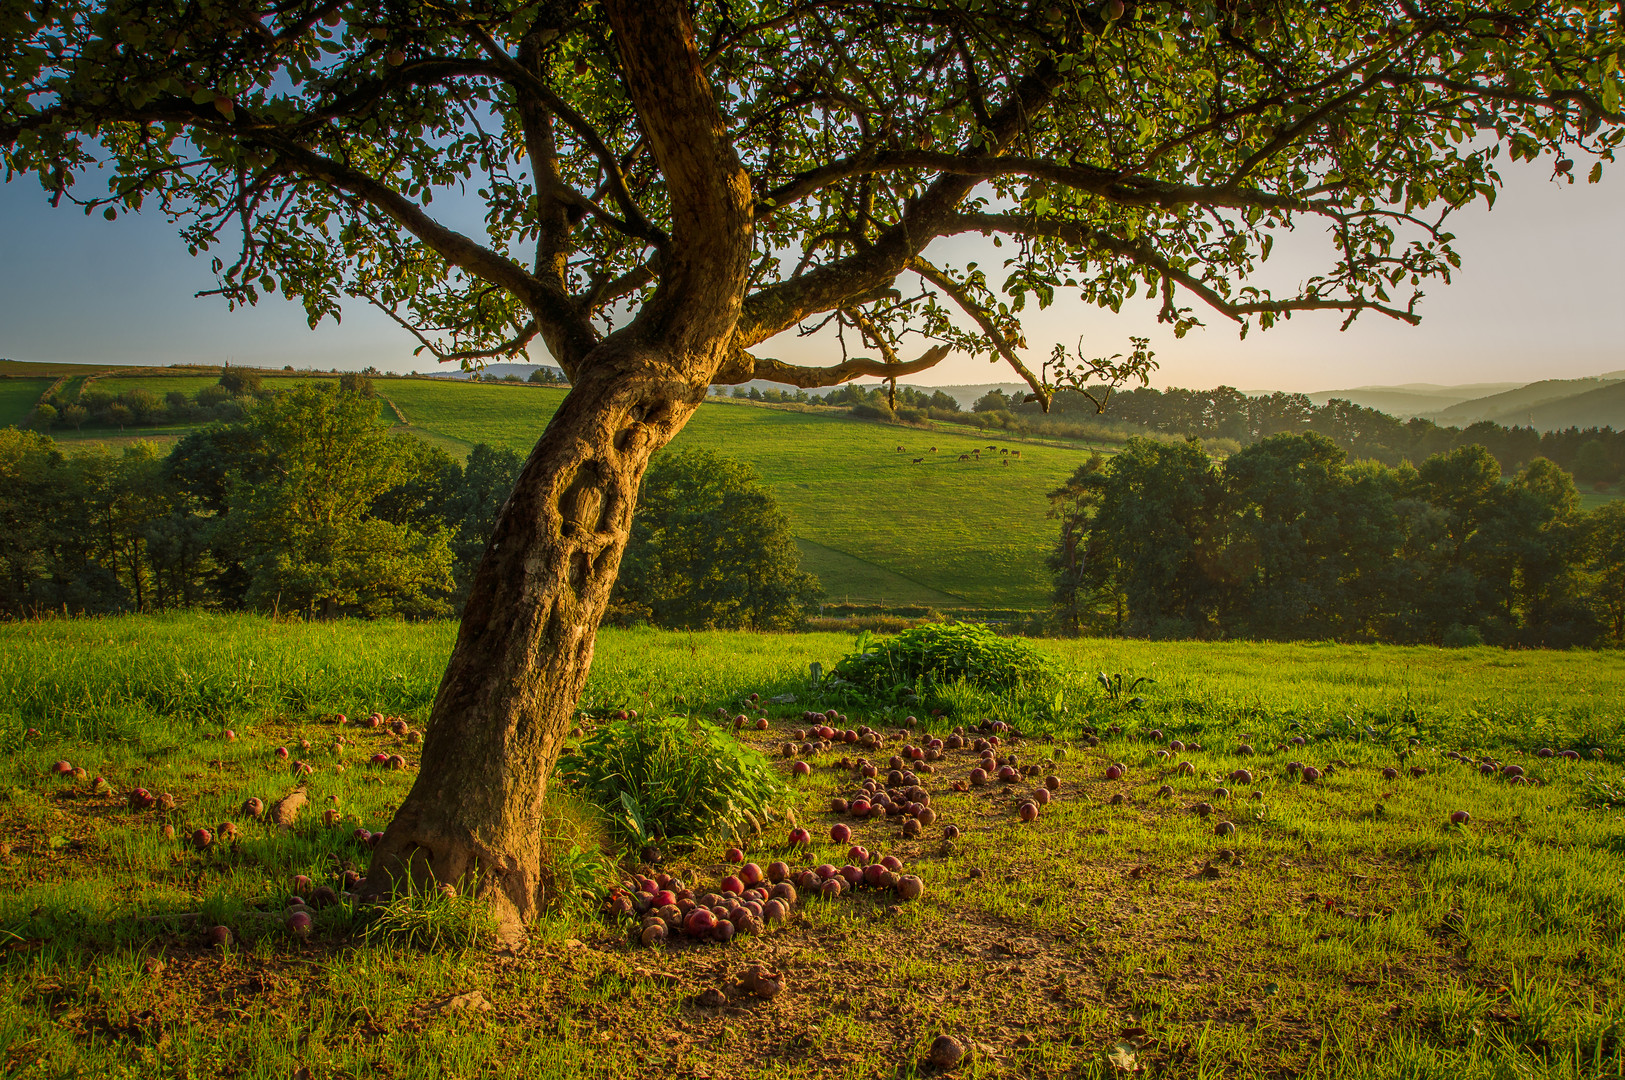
{"points": [[1541, 295]]}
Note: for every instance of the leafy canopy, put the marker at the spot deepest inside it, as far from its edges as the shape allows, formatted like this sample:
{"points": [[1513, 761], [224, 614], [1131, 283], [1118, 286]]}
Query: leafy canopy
{"points": [[485, 172]]}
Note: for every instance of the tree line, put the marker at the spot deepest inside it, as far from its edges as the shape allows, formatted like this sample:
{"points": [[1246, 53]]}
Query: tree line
{"points": [[1287, 539], [306, 505], [1591, 455], [1226, 419]]}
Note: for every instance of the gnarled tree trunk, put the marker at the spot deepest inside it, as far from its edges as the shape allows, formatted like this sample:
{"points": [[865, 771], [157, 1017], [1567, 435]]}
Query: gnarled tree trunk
{"points": [[526, 642]]}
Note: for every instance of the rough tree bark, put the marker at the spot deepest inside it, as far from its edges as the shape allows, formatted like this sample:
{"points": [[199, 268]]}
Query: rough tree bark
{"points": [[508, 696]]}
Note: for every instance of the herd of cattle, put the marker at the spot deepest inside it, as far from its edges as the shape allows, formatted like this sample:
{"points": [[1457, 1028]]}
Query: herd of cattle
{"points": [[974, 455]]}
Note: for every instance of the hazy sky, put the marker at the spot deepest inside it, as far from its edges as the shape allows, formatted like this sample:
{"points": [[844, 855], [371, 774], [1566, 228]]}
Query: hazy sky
{"points": [[1541, 295]]}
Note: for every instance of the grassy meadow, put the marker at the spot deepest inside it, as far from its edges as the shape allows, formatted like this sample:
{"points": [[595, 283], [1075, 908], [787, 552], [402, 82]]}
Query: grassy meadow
{"points": [[1344, 930], [18, 397]]}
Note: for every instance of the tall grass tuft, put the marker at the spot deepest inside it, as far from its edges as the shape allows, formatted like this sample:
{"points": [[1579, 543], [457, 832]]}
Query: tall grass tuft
{"points": [[430, 918], [671, 780]]}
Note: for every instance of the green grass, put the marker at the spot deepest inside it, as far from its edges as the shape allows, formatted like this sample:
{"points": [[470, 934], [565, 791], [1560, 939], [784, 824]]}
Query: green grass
{"points": [[1341, 932], [18, 397]]}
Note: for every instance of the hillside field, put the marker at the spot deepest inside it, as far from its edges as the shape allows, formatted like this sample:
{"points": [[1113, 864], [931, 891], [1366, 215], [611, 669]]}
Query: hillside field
{"points": [[874, 524], [1344, 930]]}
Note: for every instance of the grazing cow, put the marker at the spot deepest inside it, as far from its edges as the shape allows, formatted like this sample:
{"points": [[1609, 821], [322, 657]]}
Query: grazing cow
{"points": [[933, 449], [1006, 461], [964, 457], [1004, 451], [900, 450], [918, 460], [990, 446], [1015, 453]]}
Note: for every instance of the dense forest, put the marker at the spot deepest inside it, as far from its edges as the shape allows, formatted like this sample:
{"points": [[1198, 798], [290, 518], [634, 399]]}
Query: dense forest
{"points": [[1287, 539]]}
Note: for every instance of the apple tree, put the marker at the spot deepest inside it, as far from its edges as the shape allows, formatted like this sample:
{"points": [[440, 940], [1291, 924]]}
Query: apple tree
{"points": [[655, 190]]}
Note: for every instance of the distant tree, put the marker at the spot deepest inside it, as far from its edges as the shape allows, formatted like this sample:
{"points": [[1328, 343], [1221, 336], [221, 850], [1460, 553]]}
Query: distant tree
{"points": [[211, 396], [994, 400], [357, 383], [1087, 572], [471, 511], [1605, 551], [711, 548], [45, 416], [1156, 520], [239, 382], [30, 470], [1548, 551], [1287, 553], [144, 405], [1592, 464], [308, 533]]}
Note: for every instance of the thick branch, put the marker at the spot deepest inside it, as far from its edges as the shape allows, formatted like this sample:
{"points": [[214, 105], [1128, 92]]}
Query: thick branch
{"points": [[636, 223], [838, 284], [1106, 183], [569, 335], [809, 378], [703, 273]]}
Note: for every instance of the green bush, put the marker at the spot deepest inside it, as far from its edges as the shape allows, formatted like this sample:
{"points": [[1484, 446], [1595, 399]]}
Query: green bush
{"points": [[941, 654], [672, 780]]}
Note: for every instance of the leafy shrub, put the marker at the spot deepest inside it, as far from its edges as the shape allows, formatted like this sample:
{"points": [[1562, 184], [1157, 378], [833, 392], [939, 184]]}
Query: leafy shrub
{"points": [[943, 653], [673, 780]]}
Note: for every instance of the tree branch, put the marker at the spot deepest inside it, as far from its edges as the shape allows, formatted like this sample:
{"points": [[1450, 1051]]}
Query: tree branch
{"points": [[780, 306], [1106, 183], [810, 378], [636, 223], [1078, 236], [1001, 342], [569, 335]]}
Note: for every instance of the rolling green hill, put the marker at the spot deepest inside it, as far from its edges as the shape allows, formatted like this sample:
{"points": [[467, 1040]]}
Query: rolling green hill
{"points": [[1411, 399], [1512, 407], [873, 523], [1601, 407], [17, 397]]}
